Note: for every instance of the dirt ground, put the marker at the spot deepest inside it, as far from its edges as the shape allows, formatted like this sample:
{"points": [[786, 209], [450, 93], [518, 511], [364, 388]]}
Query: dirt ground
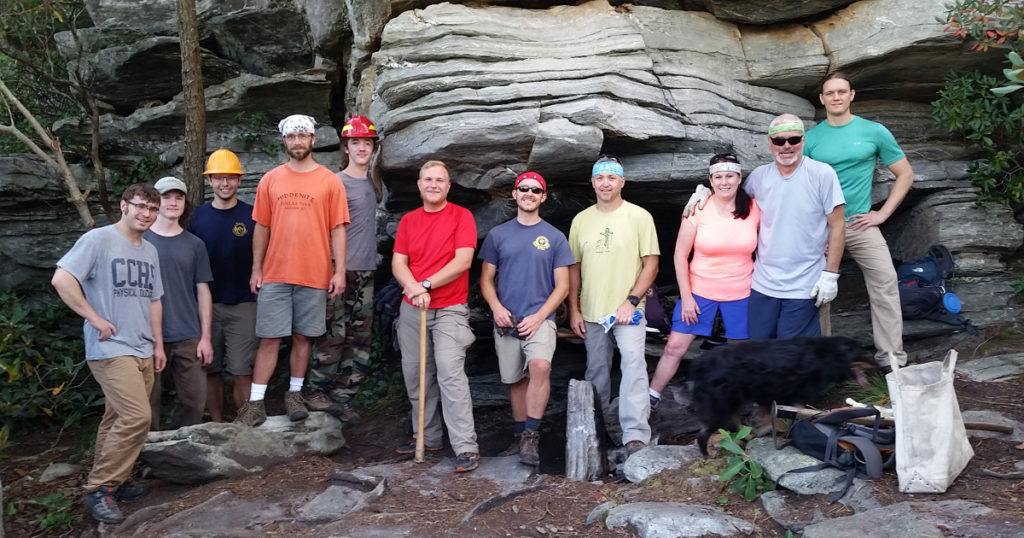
{"points": [[554, 508]]}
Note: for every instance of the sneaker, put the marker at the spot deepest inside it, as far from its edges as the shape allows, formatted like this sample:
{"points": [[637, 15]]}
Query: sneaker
{"points": [[251, 414], [294, 407], [348, 414], [467, 461], [102, 505], [410, 448], [634, 446], [529, 448], [513, 448], [320, 402], [130, 492]]}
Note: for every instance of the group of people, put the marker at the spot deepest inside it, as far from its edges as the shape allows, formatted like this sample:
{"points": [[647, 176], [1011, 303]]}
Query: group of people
{"points": [[204, 295], [219, 296]]}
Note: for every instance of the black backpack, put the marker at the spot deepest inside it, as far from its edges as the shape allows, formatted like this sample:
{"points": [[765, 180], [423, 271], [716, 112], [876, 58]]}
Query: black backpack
{"points": [[922, 287], [859, 451]]}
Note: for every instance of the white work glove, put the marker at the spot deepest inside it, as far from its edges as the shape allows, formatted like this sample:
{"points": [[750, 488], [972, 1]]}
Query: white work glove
{"points": [[826, 289], [697, 200]]}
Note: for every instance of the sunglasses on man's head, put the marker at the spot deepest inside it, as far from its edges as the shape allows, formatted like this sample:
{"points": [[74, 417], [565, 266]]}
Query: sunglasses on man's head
{"points": [[793, 140], [534, 190]]}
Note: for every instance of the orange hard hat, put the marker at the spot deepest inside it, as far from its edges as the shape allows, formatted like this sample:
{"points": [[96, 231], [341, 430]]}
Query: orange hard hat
{"points": [[359, 127], [223, 161]]}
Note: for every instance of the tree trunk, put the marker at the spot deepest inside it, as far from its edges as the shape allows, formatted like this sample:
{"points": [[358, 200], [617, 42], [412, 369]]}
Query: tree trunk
{"points": [[195, 100]]}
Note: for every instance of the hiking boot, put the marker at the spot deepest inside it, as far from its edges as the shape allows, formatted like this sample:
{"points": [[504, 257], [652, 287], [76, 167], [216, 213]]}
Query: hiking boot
{"points": [[513, 448], [348, 414], [294, 407], [251, 414], [467, 461], [634, 446], [130, 492], [102, 506], [529, 448], [410, 448], [320, 402]]}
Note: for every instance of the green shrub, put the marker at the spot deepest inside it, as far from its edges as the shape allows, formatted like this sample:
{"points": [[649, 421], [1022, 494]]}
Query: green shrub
{"points": [[747, 475], [47, 383], [979, 106], [57, 514], [145, 170], [992, 121]]}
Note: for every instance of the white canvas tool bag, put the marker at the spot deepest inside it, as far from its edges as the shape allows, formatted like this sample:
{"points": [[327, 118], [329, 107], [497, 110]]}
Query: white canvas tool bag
{"points": [[931, 442]]}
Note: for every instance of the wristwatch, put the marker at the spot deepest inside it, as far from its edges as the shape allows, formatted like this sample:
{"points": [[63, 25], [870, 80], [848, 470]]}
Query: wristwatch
{"points": [[425, 284], [633, 299]]}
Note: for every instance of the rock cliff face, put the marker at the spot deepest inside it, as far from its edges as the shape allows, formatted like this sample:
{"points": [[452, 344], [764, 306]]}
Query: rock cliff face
{"points": [[496, 88]]}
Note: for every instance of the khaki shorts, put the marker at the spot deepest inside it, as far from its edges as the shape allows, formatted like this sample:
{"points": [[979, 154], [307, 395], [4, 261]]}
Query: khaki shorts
{"points": [[234, 338], [283, 309], [514, 354]]}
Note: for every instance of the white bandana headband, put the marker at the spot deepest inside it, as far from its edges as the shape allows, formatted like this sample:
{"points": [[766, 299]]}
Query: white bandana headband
{"points": [[725, 167], [297, 123]]}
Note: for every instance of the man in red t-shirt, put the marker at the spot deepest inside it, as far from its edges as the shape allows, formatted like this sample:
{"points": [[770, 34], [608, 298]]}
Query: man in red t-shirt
{"points": [[433, 251]]}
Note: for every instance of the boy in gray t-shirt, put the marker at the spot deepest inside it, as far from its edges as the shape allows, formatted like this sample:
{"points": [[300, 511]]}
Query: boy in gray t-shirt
{"points": [[111, 277]]}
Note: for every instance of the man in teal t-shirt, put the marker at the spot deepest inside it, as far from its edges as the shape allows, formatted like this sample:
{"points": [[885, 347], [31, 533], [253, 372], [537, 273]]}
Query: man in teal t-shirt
{"points": [[852, 145]]}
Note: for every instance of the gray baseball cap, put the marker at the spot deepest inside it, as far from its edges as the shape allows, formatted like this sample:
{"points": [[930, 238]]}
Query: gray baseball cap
{"points": [[170, 183]]}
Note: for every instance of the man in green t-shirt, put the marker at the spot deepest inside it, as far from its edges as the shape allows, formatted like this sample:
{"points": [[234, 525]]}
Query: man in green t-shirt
{"points": [[852, 145], [616, 250]]}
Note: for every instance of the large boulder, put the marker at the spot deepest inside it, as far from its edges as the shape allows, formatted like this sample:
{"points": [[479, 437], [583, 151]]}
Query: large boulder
{"points": [[39, 224], [206, 452], [264, 41], [769, 11], [143, 72], [890, 44]]}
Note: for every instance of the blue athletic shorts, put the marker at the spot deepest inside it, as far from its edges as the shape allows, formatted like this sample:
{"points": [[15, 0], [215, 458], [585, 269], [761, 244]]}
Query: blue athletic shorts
{"points": [[734, 317]]}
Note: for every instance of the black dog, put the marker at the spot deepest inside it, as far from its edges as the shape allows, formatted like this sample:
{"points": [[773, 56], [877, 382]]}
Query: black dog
{"points": [[790, 371]]}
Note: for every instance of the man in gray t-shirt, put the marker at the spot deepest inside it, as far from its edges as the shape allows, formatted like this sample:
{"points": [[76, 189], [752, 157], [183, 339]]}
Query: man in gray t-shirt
{"points": [[341, 357], [111, 277], [188, 307]]}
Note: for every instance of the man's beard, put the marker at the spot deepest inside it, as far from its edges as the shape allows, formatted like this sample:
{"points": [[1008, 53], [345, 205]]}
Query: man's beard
{"points": [[300, 153]]}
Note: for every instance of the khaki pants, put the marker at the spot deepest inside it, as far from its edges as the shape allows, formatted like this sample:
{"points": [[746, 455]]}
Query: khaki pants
{"points": [[634, 402], [869, 249], [186, 369], [126, 382], [448, 336]]}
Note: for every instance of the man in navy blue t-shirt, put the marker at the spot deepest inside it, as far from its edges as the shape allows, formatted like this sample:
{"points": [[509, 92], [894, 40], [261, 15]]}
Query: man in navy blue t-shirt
{"points": [[225, 225], [531, 259]]}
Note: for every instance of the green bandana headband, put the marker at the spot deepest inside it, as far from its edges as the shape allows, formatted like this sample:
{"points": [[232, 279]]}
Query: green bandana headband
{"points": [[791, 127]]}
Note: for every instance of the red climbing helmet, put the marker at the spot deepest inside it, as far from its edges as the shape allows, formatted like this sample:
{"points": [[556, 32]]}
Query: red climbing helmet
{"points": [[359, 127]]}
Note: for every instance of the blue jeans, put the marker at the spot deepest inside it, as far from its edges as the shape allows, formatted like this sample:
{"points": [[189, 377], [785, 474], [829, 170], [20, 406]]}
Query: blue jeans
{"points": [[771, 317]]}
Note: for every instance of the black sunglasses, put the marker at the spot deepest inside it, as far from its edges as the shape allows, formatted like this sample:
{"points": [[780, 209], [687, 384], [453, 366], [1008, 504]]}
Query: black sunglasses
{"points": [[534, 190], [793, 140]]}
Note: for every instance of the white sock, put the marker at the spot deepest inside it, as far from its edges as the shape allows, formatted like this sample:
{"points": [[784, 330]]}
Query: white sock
{"points": [[295, 384], [654, 393], [257, 392]]}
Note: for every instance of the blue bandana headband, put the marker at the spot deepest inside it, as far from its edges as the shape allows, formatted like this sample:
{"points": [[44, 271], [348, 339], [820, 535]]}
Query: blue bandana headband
{"points": [[607, 167]]}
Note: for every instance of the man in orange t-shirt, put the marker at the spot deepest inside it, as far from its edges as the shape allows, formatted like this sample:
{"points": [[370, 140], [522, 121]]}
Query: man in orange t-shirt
{"points": [[301, 212]]}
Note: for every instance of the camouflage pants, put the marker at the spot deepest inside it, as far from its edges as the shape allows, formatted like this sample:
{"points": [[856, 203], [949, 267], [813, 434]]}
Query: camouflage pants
{"points": [[341, 357]]}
